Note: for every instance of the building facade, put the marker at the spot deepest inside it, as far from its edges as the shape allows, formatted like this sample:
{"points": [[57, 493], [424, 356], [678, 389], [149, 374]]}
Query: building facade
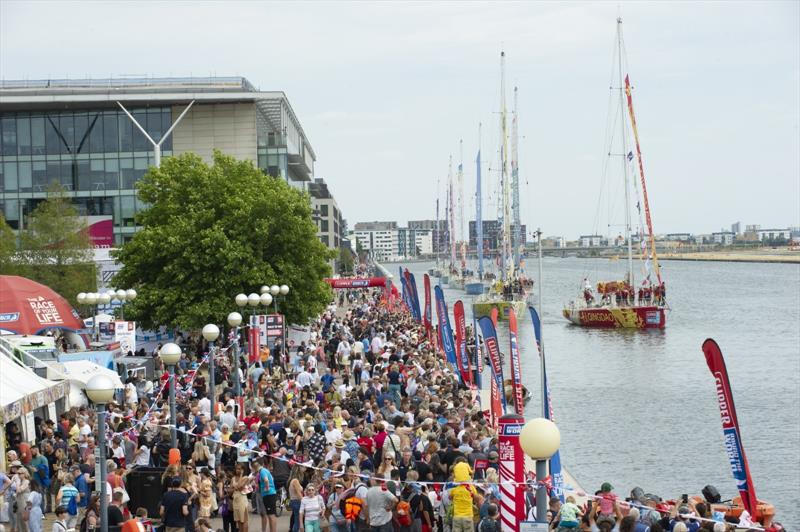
{"points": [[590, 241], [723, 237], [77, 134], [774, 235], [379, 239], [439, 234], [492, 235], [331, 225]]}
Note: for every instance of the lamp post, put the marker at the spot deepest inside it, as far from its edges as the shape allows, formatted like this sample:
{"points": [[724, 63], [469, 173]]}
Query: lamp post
{"points": [[234, 320], [90, 299], [540, 439], [122, 296], [211, 333], [100, 390], [171, 354], [241, 302]]}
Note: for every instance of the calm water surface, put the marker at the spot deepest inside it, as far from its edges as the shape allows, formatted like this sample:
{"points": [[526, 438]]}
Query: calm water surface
{"points": [[638, 408]]}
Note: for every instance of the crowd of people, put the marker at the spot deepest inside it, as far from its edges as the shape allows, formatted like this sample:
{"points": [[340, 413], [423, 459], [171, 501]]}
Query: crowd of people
{"points": [[362, 427]]}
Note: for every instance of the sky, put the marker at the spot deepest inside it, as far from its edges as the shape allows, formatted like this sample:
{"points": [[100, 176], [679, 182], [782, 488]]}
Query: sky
{"points": [[386, 90]]}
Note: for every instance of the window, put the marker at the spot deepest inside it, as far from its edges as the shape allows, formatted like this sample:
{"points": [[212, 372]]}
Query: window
{"points": [[126, 174], [112, 174], [66, 126], [24, 176], [323, 209], [323, 226], [37, 135], [9, 136], [153, 126], [9, 177], [39, 176], [125, 133], [69, 178], [110, 133], [140, 142], [324, 240], [95, 142], [166, 123], [127, 210], [52, 140], [24, 135], [81, 143]]}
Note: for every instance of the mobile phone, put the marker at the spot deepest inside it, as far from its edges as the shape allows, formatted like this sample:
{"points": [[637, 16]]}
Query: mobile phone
{"points": [[685, 498]]}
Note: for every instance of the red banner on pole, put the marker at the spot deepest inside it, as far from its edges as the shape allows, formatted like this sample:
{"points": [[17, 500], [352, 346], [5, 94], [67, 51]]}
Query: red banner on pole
{"points": [[461, 342], [427, 315], [516, 372], [357, 282]]}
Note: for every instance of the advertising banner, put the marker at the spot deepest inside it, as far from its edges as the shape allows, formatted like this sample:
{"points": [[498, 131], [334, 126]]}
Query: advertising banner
{"points": [[426, 280], [461, 342], [730, 426], [516, 371], [125, 334], [445, 332], [512, 473]]}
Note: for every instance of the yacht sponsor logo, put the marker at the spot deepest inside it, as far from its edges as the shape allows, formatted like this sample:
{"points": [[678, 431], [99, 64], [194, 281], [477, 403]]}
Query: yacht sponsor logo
{"points": [[45, 310], [9, 317]]}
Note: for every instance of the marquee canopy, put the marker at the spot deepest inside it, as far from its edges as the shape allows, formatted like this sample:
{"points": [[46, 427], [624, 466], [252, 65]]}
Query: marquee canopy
{"points": [[22, 390], [27, 307]]}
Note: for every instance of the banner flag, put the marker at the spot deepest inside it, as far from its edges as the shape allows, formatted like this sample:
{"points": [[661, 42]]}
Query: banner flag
{"points": [[405, 297], [494, 316], [478, 354], [426, 281], [414, 296], [461, 341], [555, 460], [491, 346], [730, 427], [495, 406], [516, 371], [446, 333]]}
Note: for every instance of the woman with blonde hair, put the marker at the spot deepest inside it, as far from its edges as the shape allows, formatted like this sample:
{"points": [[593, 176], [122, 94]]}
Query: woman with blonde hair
{"points": [[201, 455], [338, 420], [206, 501], [242, 487], [386, 466]]}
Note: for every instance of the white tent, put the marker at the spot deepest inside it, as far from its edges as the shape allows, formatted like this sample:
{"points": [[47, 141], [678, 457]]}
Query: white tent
{"points": [[17, 383], [81, 371], [101, 318]]}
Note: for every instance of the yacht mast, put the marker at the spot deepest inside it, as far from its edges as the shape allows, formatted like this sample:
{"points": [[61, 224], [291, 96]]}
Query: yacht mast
{"points": [[507, 269], [624, 154], [515, 231]]}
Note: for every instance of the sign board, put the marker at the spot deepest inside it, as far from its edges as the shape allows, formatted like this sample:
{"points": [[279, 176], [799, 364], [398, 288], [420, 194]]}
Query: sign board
{"points": [[97, 474], [30, 427], [125, 334], [51, 411]]}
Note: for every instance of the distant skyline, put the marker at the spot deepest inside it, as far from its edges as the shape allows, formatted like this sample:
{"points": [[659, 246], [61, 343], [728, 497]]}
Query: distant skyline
{"points": [[385, 91]]}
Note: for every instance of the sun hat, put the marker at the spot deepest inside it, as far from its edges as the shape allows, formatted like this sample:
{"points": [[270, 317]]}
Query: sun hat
{"points": [[349, 435], [606, 487], [339, 444]]}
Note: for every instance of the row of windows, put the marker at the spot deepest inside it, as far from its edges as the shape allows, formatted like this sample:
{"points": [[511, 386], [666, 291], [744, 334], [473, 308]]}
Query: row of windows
{"points": [[74, 132], [85, 175], [122, 208]]}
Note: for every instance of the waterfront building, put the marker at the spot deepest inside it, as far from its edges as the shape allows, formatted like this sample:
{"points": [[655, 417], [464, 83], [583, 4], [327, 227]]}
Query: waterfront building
{"points": [[736, 228], [414, 242], [438, 236], [380, 239], [492, 235], [75, 133], [678, 237], [590, 241], [331, 225], [774, 235], [723, 237]]}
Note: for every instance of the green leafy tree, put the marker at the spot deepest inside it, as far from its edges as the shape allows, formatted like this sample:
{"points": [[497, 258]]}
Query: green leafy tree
{"points": [[8, 247], [212, 232], [345, 260], [55, 248]]}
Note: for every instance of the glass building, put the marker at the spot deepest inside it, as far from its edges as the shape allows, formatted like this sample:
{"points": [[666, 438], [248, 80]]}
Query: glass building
{"points": [[76, 133]]}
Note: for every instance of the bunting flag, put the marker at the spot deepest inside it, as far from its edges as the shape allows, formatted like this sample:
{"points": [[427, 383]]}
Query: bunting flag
{"points": [[516, 371], [445, 332], [461, 341], [555, 460], [426, 319], [414, 296], [492, 347], [730, 427]]}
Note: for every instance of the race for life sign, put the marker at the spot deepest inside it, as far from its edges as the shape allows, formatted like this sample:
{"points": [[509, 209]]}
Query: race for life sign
{"points": [[512, 473], [45, 311], [125, 334]]}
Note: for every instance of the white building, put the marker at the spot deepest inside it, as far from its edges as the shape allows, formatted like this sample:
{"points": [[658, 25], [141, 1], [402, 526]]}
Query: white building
{"points": [[774, 234], [424, 242], [590, 241], [380, 239], [723, 237]]}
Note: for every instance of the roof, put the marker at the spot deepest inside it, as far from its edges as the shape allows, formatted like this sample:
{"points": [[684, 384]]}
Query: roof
{"points": [[26, 95], [18, 383]]}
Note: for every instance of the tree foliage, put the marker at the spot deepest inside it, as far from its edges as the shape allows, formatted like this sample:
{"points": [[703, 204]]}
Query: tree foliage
{"points": [[8, 247], [54, 248], [212, 232]]}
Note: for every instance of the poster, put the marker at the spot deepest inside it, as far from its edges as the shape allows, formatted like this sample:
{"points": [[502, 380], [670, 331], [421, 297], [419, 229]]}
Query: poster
{"points": [[125, 334]]}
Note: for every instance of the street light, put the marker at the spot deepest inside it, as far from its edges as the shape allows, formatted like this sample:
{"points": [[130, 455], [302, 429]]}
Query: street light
{"points": [[540, 439], [100, 390], [122, 296], [234, 320], [90, 299], [211, 333], [171, 353]]}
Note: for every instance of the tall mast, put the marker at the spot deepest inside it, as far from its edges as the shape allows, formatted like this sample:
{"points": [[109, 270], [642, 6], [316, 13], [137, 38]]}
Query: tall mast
{"points": [[478, 209], [507, 269], [515, 232], [452, 224], [436, 235], [624, 154], [461, 204]]}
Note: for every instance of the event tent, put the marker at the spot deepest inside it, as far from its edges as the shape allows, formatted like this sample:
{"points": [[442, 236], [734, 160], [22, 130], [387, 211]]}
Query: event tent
{"points": [[23, 391], [27, 307], [81, 371]]}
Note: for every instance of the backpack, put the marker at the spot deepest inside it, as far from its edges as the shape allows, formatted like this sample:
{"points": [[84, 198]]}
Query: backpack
{"points": [[403, 513], [72, 507], [487, 524], [350, 505]]}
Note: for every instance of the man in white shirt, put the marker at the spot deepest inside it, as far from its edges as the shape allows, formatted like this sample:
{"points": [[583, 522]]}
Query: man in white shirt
{"points": [[377, 344], [304, 378], [228, 418], [205, 406]]}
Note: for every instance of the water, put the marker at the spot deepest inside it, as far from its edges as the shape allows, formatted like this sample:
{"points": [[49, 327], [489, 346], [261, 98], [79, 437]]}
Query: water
{"points": [[639, 408]]}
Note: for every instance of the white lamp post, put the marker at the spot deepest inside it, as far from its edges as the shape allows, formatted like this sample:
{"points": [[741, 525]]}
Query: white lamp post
{"points": [[171, 353], [540, 439], [90, 299], [211, 333], [100, 390], [234, 320]]}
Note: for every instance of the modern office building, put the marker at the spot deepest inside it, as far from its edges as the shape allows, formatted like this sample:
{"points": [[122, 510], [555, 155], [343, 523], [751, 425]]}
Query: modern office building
{"points": [[380, 239], [438, 235], [331, 225], [76, 133], [412, 243], [492, 235]]}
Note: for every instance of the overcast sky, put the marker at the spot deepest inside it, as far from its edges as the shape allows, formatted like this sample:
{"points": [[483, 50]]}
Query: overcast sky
{"points": [[386, 90]]}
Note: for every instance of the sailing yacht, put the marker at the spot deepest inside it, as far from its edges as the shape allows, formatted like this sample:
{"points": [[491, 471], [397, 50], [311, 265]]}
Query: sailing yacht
{"points": [[621, 303], [510, 290]]}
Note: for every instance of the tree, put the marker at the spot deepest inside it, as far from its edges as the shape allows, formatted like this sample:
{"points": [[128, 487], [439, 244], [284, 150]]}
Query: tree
{"points": [[55, 248], [8, 247], [212, 232]]}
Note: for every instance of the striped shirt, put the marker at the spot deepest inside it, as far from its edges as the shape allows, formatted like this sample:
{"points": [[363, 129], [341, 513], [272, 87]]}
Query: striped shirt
{"points": [[312, 507]]}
